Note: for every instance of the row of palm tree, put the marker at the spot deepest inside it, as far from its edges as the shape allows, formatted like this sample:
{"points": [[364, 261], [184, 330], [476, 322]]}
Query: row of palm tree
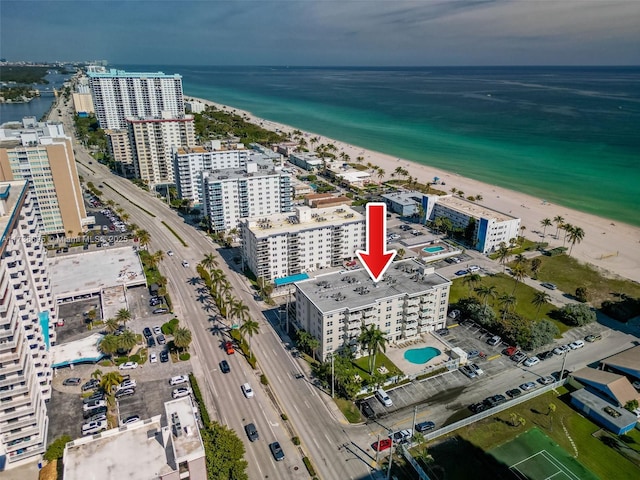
{"points": [[372, 340], [572, 233]]}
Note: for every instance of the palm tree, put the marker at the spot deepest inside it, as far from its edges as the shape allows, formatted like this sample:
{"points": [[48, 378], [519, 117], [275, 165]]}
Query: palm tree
{"points": [[575, 236], [546, 222], [182, 338], [507, 302], [209, 261], [567, 227], [558, 220], [127, 340], [239, 310], [158, 257], [123, 316], [472, 280], [503, 254], [373, 340], [479, 198], [92, 314], [540, 299], [313, 343], [110, 380], [401, 253], [536, 263], [124, 217], [109, 345], [520, 259], [143, 238], [485, 292], [250, 327], [97, 373], [381, 173], [519, 271], [112, 325]]}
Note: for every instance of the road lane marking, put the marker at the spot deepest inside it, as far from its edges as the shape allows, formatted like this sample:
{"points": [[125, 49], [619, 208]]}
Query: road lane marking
{"points": [[307, 404]]}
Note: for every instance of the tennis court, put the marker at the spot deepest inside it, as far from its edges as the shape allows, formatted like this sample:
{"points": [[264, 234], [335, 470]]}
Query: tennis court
{"points": [[534, 456]]}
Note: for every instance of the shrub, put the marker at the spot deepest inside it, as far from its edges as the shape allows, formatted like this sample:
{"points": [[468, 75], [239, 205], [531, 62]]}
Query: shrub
{"points": [[184, 356], [169, 327], [295, 440], [582, 294], [284, 417], [121, 360], [576, 314], [264, 380], [307, 463], [56, 449], [623, 310], [195, 388], [135, 358]]}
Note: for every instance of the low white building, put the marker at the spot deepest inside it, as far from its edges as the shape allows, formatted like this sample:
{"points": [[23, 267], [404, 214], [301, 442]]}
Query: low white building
{"points": [[490, 227], [194, 106], [410, 300], [257, 190], [189, 163], [306, 160], [306, 240]]}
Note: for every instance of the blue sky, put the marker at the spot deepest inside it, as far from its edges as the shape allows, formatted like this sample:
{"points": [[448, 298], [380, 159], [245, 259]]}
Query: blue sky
{"points": [[324, 32]]}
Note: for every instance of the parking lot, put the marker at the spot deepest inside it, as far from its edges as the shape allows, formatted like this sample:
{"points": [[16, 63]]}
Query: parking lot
{"points": [[148, 400], [75, 322]]}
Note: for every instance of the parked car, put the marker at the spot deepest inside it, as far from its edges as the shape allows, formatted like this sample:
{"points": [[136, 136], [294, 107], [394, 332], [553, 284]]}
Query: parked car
{"points": [[159, 311], [147, 332], [178, 379], [153, 358], [131, 419], [91, 384], [514, 392], [472, 354], [71, 382], [424, 426], [252, 432], [382, 445], [180, 392], [443, 332], [495, 340], [593, 338], [128, 366], [576, 345], [224, 366], [494, 400], [246, 389], [367, 410], [466, 370], [510, 351], [545, 355], [86, 414], [546, 380], [93, 398], [531, 361], [401, 436], [558, 351], [164, 356], [94, 404], [548, 285], [461, 272], [156, 330], [518, 357], [276, 451], [476, 369], [126, 392], [96, 418], [127, 384], [151, 342], [161, 339], [92, 428], [636, 385], [527, 386], [477, 407]]}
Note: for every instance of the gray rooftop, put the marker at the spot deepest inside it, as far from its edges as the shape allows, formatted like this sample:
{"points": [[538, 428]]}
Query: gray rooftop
{"points": [[355, 289], [597, 404], [404, 198], [188, 445], [473, 209], [265, 168]]}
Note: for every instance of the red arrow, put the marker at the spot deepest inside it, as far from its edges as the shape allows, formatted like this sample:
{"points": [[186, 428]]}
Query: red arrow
{"points": [[376, 259]]}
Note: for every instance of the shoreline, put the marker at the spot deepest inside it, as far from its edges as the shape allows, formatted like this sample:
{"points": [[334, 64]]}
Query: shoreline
{"points": [[607, 244]]}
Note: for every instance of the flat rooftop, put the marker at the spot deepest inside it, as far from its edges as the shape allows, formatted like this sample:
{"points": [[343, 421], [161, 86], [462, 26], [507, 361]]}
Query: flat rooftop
{"points": [[473, 209], [189, 444], [322, 217], [134, 452], [90, 272], [597, 404], [79, 351], [354, 289], [404, 198]]}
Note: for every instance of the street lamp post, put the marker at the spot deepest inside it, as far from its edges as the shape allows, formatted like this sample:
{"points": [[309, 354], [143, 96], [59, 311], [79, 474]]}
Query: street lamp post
{"points": [[333, 381]]}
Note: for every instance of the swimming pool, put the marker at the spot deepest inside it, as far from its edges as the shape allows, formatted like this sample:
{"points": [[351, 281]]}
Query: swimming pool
{"points": [[421, 355], [433, 249]]}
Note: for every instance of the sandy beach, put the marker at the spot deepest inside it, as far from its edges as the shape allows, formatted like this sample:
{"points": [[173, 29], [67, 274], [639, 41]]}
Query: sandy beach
{"points": [[607, 244]]}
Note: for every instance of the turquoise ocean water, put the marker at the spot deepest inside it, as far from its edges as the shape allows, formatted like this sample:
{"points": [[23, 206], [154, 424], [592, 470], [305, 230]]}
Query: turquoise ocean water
{"points": [[570, 136]]}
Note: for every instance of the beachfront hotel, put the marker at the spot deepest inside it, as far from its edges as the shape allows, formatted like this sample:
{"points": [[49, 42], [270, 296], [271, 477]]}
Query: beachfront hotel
{"points": [[27, 319], [306, 240], [153, 141], [118, 95], [410, 300], [42, 154], [190, 162], [257, 190], [491, 227]]}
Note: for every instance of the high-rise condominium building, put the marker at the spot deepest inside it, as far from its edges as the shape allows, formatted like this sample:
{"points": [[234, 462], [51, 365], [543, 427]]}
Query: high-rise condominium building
{"points": [[189, 163], [42, 154], [257, 190], [410, 300], [27, 319], [153, 141], [118, 95], [282, 245]]}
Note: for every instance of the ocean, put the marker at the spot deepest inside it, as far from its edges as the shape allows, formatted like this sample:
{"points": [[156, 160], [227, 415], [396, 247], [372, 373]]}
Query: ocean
{"points": [[567, 135]]}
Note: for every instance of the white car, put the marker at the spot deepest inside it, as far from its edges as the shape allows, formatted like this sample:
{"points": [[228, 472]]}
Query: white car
{"points": [[153, 358], [181, 392], [474, 268], [128, 366], [576, 345], [476, 369], [531, 361], [185, 264], [246, 389], [170, 253], [127, 384], [156, 330], [558, 351], [177, 380], [636, 385]]}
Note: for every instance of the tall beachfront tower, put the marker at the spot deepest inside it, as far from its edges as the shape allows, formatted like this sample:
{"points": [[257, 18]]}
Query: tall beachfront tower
{"points": [[27, 318], [42, 154], [118, 95]]}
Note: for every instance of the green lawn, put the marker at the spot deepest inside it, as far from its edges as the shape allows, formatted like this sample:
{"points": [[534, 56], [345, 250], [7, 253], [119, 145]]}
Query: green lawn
{"points": [[349, 409], [592, 453], [568, 274], [381, 359], [504, 284]]}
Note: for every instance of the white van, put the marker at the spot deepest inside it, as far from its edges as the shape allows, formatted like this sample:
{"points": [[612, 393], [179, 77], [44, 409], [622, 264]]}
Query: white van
{"points": [[384, 399], [94, 427]]}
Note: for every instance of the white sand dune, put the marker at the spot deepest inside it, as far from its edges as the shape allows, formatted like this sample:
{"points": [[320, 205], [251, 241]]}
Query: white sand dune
{"points": [[607, 244]]}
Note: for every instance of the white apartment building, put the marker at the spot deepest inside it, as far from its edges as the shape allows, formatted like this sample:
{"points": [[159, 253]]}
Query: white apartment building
{"points": [[118, 95], [257, 190], [42, 154], [190, 162], [491, 227], [410, 300], [153, 141], [195, 106], [282, 245], [27, 319], [120, 149]]}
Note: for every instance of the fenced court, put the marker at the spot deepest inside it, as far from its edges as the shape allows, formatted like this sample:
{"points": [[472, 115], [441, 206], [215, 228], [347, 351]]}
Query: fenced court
{"points": [[534, 456]]}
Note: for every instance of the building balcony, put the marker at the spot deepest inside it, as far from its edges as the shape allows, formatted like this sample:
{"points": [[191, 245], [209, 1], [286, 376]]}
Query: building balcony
{"points": [[412, 302], [411, 317], [424, 322], [369, 313]]}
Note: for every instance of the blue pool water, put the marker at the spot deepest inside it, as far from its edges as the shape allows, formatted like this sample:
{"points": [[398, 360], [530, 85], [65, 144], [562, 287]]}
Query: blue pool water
{"points": [[421, 355], [314, 186], [432, 249]]}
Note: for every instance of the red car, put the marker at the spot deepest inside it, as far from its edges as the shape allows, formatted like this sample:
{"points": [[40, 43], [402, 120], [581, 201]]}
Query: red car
{"points": [[382, 445], [510, 351], [228, 346]]}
